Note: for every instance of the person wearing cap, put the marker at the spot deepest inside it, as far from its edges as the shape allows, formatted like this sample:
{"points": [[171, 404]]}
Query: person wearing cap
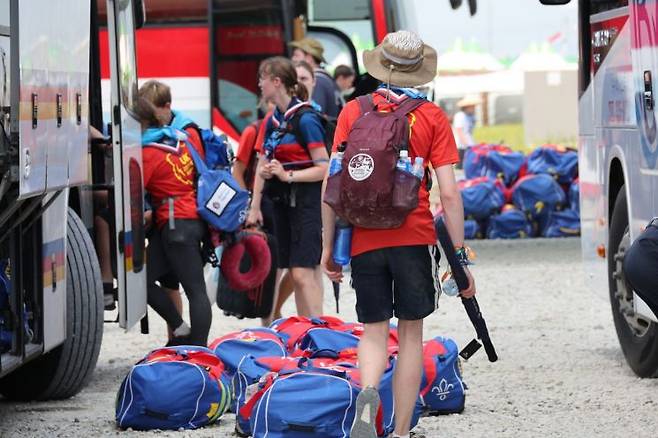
{"points": [[395, 270], [326, 93], [463, 124]]}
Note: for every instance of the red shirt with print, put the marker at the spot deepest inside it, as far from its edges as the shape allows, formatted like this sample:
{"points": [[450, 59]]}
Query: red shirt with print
{"points": [[431, 138], [169, 173]]}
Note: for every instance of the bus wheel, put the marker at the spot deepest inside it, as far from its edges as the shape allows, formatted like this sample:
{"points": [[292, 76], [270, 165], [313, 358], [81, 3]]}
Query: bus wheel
{"points": [[638, 336], [65, 370]]}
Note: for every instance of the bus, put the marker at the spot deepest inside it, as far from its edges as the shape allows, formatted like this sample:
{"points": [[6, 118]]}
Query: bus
{"points": [[618, 157], [213, 48]]}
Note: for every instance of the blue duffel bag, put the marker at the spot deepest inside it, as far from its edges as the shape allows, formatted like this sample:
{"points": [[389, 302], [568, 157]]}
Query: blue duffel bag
{"points": [[565, 223], [511, 223], [574, 195], [442, 388], [173, 388], [537, 196], [559, 162], [481, 197]]}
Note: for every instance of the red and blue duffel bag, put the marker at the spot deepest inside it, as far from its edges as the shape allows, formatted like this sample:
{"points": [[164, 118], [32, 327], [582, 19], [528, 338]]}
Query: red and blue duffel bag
{"points": [[338, 342], [292, 329], [475, 158], [494, 161], [482, 197], [173, 388], [258, 342], [537, 196], [442, 387], [511, 223], [565, 223], [557, 161]]}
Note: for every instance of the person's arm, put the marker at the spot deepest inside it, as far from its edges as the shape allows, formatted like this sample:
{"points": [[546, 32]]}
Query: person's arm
{"points": [[255, 215], [245, 149], [238, 171]]}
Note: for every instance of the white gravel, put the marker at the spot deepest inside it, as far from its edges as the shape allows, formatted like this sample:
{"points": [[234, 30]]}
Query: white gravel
{"points": [[560, 374]]}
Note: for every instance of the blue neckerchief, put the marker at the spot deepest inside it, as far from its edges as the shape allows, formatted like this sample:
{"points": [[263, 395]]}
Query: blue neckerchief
{"points": [[316, 106], [274, 139], [180, 120], [164, 134], [410, 92]]}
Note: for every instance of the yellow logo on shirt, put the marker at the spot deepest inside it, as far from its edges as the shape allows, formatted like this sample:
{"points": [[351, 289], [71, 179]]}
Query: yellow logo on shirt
{"points": [[182, 166]]}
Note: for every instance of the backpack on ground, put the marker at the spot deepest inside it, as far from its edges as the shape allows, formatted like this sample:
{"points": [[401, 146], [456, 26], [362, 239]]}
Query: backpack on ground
{"points": [[565, 223], [442, 387], [221, 202], [370, 191], [537, 196], [511, 223], [557, 161], [472, 229], [493, 161], [482, 197], [257, 342], [173, 388]]}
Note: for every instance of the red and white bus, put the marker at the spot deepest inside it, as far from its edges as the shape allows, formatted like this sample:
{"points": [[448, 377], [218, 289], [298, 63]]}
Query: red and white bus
{"points": [[209, 51], [618, 156]]}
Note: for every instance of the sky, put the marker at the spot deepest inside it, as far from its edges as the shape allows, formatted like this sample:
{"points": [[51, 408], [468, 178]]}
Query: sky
{"points": [[504, 28]]}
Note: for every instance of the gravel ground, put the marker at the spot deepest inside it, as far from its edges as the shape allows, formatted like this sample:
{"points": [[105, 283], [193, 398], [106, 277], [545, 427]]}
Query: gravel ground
{"points": [[561, 372]]}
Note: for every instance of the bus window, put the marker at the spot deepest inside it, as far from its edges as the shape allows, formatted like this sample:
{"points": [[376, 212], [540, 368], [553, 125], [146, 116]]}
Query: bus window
{"points": [[244, 33], [351, 17], [126, 54]]}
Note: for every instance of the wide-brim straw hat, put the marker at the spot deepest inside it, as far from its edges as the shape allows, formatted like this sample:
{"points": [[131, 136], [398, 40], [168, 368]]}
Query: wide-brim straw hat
{"points": [[469, 101], [401, 67], [311, 46]]}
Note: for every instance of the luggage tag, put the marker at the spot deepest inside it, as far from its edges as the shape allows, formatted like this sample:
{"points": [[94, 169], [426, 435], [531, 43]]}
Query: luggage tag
{"points": [[470, 349]]}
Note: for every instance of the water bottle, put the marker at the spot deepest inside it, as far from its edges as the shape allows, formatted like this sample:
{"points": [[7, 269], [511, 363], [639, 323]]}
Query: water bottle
{"points": [[450, 287], [336, 163], [404, 162], [342, 242], [418, 170]]}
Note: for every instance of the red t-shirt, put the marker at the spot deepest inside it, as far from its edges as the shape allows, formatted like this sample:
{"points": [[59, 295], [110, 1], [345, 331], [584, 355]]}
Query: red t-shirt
{"points": [[431, 138], [260, 138], [247, 143], [169, 173]]}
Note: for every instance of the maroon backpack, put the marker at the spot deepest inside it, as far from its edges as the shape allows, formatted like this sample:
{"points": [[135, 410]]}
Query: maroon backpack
{"points": [[370, 191]]}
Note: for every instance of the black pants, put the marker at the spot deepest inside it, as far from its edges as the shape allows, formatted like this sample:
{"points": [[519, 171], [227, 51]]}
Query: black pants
{"points": [[178, 252], [641, 266]]}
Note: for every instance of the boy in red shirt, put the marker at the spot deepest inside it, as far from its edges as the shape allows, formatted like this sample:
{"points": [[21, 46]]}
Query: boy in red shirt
{"points": [[395, 270]]}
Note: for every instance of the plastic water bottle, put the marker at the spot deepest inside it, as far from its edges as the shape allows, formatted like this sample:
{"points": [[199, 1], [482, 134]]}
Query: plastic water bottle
{"points": [[336, 163], [418, 170], [450, 287], [342, 242], [404, 162]]}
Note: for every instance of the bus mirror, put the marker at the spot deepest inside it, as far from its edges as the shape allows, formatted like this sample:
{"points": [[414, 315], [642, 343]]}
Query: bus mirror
{"points": [[140, 13], [554, 2]]}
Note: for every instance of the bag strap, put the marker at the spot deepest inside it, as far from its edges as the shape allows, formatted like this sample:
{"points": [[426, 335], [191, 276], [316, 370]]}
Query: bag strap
{"points": [[432, 349], [366, 103], [198, 162]]}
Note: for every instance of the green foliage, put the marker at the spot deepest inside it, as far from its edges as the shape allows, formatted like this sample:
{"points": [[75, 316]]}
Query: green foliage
{"points": [[513, 136]]}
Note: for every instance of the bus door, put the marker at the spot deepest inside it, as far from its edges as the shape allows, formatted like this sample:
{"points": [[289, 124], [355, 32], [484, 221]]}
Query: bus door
{"points": [[127, 155]]}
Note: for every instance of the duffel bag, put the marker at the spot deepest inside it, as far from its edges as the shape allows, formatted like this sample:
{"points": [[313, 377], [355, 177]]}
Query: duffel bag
{"points": [[293, 328], [537, 196], [173, 388], [511, 223], [565, 223], [442, 387], [258, 342], [556, 161], [574, 195], [481, 197]]}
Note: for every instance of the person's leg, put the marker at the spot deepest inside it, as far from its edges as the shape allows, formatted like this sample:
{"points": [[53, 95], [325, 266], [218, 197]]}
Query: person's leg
{"points": [[183, 251], [373, 284], [285, 289], [170, 284], [408, 373], [308, 296]]}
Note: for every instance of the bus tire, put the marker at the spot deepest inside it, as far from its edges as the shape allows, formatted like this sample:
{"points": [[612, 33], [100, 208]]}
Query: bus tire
{"points": [[65, 370], [639, 343]]}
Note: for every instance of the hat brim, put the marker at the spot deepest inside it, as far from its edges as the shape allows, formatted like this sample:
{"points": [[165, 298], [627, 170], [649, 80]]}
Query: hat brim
{"points": [[305, 49], [424, 74]]}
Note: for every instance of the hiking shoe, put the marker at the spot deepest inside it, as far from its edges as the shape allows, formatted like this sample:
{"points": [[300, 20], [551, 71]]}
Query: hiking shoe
{"points": [[367, 404], [110, 296]]}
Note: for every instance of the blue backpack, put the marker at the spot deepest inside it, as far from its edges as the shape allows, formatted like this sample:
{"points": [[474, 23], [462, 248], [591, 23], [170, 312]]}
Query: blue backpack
{"points": [[221, 202], [173, 388], [481, 197], [442, 387], [537, 196], [218, 155], [509, 224], [565, 223], [558, 162]]}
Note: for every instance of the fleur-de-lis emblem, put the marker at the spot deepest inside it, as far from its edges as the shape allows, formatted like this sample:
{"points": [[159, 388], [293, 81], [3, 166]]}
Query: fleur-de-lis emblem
{"points": [[443, 390]]}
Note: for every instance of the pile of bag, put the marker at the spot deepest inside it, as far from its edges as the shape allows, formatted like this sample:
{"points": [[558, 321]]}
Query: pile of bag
{"points": [[298, 378], [508, 195]]}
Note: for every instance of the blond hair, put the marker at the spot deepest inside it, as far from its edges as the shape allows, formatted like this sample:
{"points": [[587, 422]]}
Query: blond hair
{"points": [[156, 92]]}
